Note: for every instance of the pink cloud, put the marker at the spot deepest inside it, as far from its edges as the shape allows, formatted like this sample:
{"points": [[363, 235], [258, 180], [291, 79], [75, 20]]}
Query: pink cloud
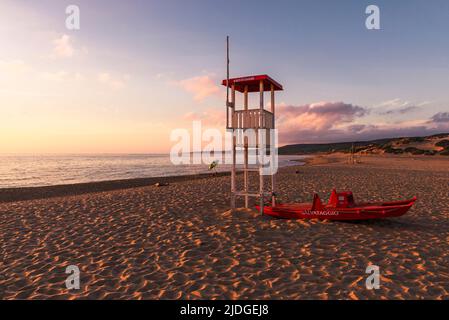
{"points": [[337, 122], [317, 116], [63, 47], [212, 118], [330, 122], [201, 87], [440, 117]]}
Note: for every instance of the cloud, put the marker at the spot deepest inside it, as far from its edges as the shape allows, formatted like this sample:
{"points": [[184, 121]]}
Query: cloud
{"points": [[394, 103], [165, 76], [114, 82], [400, 129], [356, 128], [61, 76], [55, 76], [201, 87], [14, 67], [325, 122], [401, 110], [63, 47], [338, 122], [372, 132], [358, 133], [399, 107], [318, 116], [441, 117], [212, 118]]}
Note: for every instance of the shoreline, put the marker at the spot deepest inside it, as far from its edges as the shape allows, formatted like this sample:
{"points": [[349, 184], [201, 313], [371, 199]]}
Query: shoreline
{"points": [[43, 192], [63, 190]]}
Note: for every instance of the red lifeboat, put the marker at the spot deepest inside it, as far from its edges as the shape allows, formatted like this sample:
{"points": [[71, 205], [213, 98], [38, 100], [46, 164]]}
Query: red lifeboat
{"points": [[341, 206]]}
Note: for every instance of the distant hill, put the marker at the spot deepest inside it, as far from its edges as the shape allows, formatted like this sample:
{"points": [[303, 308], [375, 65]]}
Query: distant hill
{"points": [[430, 145]]}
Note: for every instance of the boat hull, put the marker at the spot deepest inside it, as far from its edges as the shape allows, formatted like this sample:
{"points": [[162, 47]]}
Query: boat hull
{"points": [[365, 211]]}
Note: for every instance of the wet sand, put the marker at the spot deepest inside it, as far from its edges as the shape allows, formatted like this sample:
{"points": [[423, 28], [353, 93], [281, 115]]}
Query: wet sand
{"points": [[180, 242]]}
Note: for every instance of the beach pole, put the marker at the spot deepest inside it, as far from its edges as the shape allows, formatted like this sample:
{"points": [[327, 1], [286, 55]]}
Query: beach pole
{"points": [[227, 82], [261, 188], [273, 178], [352, 159], [234, 146], [232, 106], [245, 172], [233, 190]]}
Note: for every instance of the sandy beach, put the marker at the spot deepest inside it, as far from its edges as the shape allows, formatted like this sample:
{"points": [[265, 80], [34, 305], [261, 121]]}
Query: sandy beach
{"points": [[133, 240]]}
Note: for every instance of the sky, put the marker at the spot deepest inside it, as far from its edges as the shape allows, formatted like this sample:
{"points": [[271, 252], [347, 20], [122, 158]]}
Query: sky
{"points": [[137, 70]]}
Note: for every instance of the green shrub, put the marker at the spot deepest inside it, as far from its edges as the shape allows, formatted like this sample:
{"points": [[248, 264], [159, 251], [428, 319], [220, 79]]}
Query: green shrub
{"points": [[442, 143], [389, 149], [414, 151]]}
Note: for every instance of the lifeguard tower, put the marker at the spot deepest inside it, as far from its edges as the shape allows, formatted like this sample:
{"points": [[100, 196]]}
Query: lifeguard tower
{"points": [[258, 120]]}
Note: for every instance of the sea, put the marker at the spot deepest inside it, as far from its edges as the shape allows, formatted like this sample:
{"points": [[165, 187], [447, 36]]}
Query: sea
{"points": [[26, 170]]}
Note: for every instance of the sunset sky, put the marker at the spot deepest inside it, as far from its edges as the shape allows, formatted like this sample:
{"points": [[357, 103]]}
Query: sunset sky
{"points": [[138, 69]]}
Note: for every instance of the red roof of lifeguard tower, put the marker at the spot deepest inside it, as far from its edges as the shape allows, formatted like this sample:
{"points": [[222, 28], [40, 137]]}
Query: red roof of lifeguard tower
{"points": [[253, 83]]}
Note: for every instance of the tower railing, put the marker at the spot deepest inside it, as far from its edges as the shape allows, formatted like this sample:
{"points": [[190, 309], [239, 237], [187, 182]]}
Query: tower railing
{"points": [[252, 119]]}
